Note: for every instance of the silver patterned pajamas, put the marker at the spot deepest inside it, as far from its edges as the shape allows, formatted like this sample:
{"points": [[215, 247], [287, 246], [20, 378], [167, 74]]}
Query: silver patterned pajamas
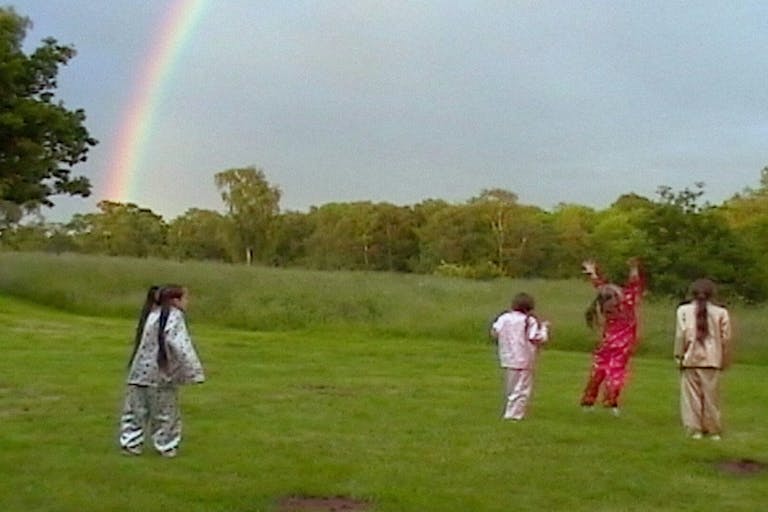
{"points": [[152, 410]]}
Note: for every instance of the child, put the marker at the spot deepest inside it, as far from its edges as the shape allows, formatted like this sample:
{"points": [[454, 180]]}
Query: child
{"points": [[519, 334], [615, 310], [163, 359], [702, 351]]}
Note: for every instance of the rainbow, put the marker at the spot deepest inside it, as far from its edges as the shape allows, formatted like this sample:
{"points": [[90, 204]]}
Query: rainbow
{"points": [[135, 126]]}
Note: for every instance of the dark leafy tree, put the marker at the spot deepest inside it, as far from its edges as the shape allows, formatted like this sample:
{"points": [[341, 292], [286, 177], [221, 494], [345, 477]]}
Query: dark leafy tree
{"points": [[253, 205], [199, 235], [121, 229], [40, 139], [293, 230], [572, 226], [687, 240], [395, 238], [342, 236]]}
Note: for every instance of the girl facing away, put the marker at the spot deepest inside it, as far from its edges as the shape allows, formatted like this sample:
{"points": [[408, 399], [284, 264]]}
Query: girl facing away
{"points": [[519, 334], [702, 352], [614, 313], [163, 358]]}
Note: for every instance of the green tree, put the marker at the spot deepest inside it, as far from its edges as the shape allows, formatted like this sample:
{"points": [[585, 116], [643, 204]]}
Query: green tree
{"points": [[28, 237], [632, 202], [121, 229], [521, 235], [618, 235], [532, 241], [253, 206], [359, 236], [457, 235], [422, 213], [489, 235], [10, 214], [498, 208], [199, 234], [572, 227], [38, 235], [342, 237], [291, 238], [687, 240], [40, 139], [747, 215], [395, 238]]}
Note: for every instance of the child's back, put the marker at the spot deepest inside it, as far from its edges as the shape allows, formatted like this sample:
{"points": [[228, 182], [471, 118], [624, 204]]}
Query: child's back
{"points": [[517, 335]]}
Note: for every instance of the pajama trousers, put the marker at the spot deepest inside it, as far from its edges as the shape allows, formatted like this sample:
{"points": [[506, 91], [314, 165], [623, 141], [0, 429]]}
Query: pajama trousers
{"points": [[153, 410], [700, 399], [517, 389], [609, 369], [613, 383]]}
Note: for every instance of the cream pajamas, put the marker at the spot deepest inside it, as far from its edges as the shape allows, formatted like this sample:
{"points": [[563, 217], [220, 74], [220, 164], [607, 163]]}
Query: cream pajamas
{"points": [[519, 336]]}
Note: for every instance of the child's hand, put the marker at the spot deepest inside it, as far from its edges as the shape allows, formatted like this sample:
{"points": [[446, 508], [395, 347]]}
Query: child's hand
{"points": [[589, 267]]}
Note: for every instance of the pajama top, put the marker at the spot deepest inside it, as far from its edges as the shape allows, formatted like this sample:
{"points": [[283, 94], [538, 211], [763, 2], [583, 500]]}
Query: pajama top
{"points": [[184, 365], [620, 331], [518, 337], [709, 352]]}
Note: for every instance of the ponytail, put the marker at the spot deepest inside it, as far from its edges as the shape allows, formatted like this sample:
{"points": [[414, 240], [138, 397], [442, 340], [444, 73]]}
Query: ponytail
{"points": [[702, 325], [593, 315], [162, 353], [525, 304], [607, 303], [150, 302], [702, 291], [166, 295]]}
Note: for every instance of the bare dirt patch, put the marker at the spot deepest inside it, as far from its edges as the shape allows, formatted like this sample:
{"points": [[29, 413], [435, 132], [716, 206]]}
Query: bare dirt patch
{"points": [[741, 466], [321, 504]]}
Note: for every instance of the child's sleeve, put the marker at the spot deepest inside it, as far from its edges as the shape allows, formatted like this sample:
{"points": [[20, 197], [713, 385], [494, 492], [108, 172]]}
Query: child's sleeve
{"points": [[597, 279], [498, 324], [680, 348], [538, 332], [726, 339], [185, 365]]}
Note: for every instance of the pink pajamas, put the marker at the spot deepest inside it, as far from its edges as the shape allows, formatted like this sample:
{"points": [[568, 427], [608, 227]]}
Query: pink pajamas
{"points": [[611, 358]]}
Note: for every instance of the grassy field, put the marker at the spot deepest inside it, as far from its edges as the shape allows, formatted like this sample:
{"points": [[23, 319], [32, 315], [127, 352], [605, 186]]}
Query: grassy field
{"points": [[405, 423]]}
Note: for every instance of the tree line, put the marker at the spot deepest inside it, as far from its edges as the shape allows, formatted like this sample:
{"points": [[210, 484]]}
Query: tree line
{"points": [[490, 235], [677, 237]]}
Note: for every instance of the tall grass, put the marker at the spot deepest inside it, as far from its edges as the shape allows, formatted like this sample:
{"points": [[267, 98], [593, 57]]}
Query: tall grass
{"points": [[380, 304]]}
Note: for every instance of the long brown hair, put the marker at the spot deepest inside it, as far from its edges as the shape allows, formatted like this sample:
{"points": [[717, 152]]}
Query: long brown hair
{"points": [[523, 303], [702, 290], [166, 295], [606, 304], [150, 302]]}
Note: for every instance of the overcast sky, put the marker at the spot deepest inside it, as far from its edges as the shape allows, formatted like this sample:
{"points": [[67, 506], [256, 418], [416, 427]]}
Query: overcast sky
{"points": [[400, 101]]}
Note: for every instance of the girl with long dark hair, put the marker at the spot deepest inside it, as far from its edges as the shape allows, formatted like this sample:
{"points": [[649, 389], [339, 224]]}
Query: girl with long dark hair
{"points": [[163, 358]]}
